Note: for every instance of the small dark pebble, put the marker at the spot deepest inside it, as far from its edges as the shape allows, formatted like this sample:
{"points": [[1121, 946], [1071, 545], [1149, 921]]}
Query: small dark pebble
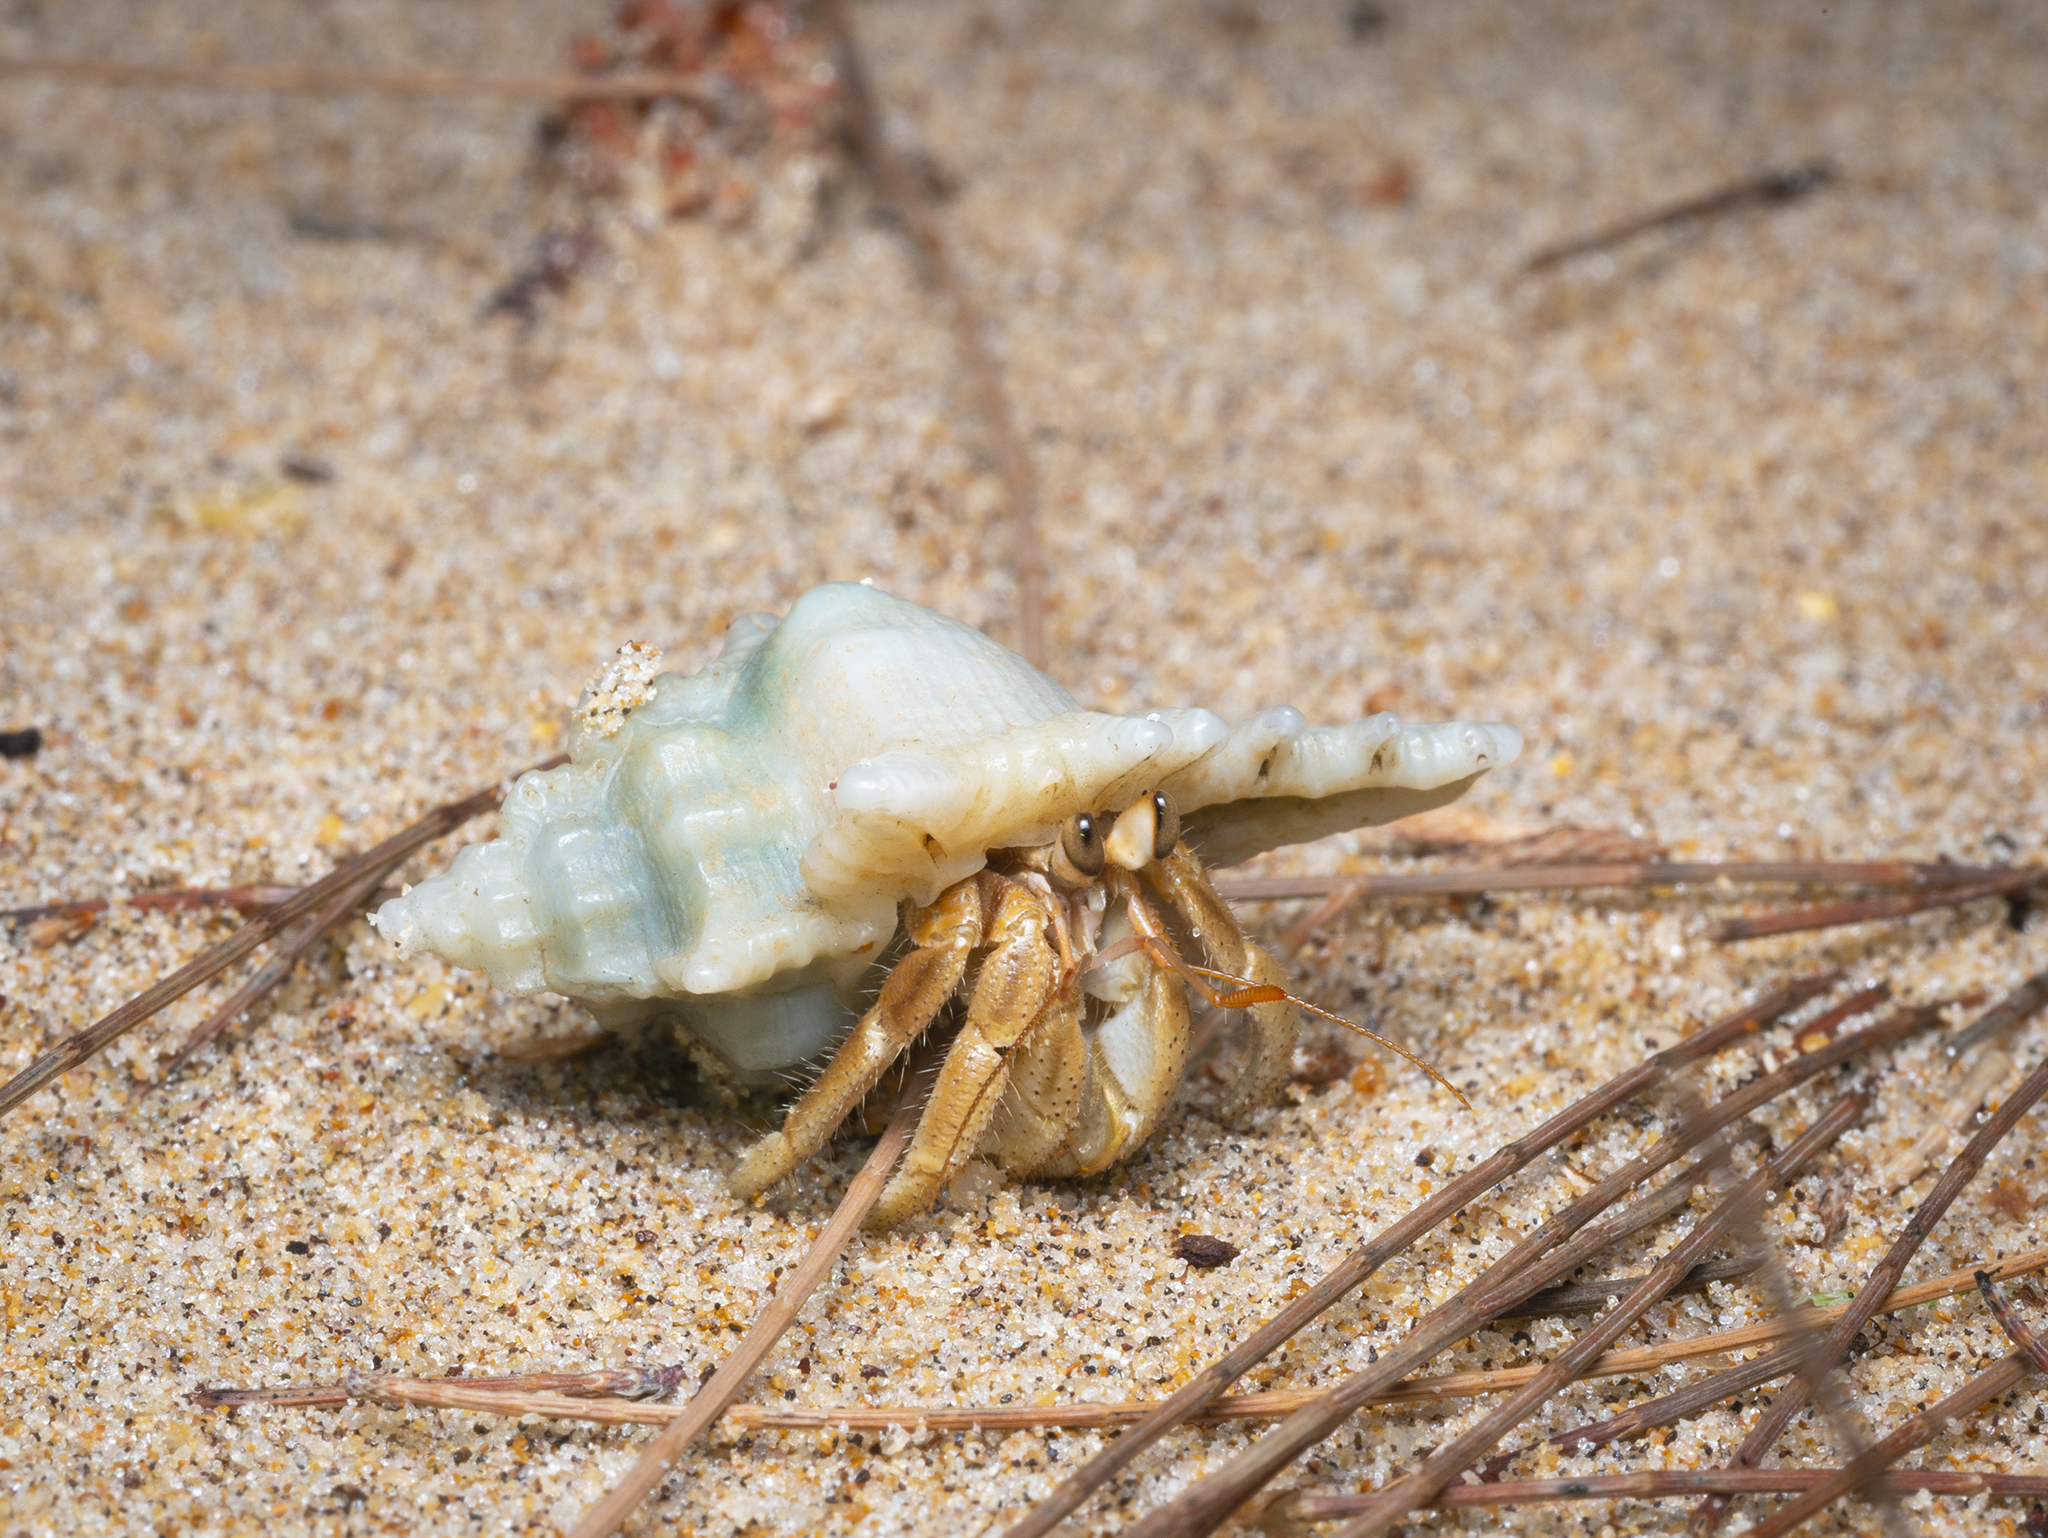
{"points": [[874, 1372], [2037, 1521], [645, 1236], [299, 1247], [1205, 1250], [1425, 1159], [25, 743], [1365, 22], [308, 472]]}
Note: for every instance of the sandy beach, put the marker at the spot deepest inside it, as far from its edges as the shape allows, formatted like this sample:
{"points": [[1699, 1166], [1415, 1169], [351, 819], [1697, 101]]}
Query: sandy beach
{"points": [[1739, 521]]}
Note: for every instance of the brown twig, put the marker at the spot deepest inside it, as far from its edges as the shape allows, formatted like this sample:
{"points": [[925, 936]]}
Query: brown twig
{"points": [[1915, 1431], [1475, 881], [1768, 190], [310, 80], [69, 1053], [464, 1393], [530, 1395], [1639, 1420], [1835, 915], [1203, 1505], [723, 1387], [2010, 1010], [1883, 1277], [1367, 1258], [1443, 1467], [900, 191], [1667, 1482], [247, 899], [1585, 1297], [332, 914]]}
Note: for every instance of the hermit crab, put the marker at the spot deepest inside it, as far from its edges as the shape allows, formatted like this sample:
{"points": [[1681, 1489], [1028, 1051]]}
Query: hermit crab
{"points": [[866, 794]]}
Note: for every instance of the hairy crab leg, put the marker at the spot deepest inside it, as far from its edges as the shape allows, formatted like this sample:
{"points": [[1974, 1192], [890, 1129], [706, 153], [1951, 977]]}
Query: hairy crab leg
{"points": [[1251, 993], [1034, 1125], [1179, 878], [1017, 980], [914, 992]]}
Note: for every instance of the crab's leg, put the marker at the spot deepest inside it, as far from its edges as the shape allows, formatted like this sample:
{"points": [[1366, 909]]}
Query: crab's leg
{"points": [[1034, 1124], [1017, 980], [1180, 879], [1134, 1067], [912, 996]]}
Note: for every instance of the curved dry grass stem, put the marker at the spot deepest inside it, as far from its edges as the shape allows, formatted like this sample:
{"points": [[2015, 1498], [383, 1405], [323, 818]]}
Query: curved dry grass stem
{"points": [[1885, 1275], [1444, 1466], [1667, 1482], [1916, 1431], [1767, 190], [1476, 880], [723, 1387], [1363, 1261], [59, 1060], [536, 1394], [274, 971], [248, 899], [311, 80], [1524, 1269], [1837, 915]]}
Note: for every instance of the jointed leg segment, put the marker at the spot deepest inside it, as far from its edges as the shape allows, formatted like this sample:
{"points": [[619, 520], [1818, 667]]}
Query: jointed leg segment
{"points": [[912, 996]]}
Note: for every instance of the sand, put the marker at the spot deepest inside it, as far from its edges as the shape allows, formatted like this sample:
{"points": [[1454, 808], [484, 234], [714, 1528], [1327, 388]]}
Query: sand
{"points": [[1740, 523]]}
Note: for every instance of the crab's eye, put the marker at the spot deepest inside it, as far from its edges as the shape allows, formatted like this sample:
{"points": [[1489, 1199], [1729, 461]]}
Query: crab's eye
{"points": [[1165, 824], [1081, 845]]}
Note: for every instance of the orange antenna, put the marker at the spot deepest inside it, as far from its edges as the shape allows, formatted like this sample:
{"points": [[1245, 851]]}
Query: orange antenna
{"points": [[1268, 993]]}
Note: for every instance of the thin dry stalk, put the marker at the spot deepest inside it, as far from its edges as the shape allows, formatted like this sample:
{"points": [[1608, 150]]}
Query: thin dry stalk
{"points": [[900, 191], [2008, 1011], [1883, 1277], [1363, 1261], [59, 1060], [308, 80], [723, 1387], [1586, 1297], [247, 899], [1782, 1294], [1916, 1431], [1640, 1420], [541, 1393], [1475, 881], [1524, 1269], [1836, 915], [1961, 1103], [1667, 1482], [1443, 1467], [1767, 190], [274, 971]]}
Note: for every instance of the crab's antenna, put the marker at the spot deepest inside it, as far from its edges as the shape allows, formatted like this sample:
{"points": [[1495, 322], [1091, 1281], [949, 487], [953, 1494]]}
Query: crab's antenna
{"points": [[1245, 993], [1249, 992]]}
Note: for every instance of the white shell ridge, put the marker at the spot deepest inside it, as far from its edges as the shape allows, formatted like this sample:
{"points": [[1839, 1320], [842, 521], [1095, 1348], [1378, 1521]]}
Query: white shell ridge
{"points": [[753, 828]]}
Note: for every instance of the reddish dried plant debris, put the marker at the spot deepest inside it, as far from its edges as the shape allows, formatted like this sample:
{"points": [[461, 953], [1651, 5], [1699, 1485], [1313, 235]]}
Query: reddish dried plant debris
{"points": [[1316, 1066], [768, 93], [1205, 1250]]}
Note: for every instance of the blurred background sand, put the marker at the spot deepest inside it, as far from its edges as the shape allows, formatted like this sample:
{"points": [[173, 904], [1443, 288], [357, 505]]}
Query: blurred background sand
{"points": [[1740, 522]]}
